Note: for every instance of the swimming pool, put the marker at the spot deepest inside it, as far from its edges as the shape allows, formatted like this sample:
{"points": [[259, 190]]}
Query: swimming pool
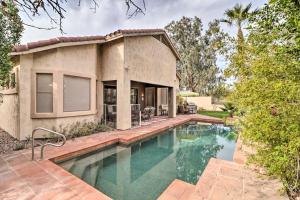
{"points": [[144, 169]]}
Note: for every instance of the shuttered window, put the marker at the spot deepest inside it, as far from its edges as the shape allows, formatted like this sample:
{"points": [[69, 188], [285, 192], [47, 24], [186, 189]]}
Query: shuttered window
{"points": [[77, 94]]}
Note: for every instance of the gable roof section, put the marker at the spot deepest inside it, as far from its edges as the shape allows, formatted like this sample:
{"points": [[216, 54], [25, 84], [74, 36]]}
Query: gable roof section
{"points": [[73, 41], [141, 32]]}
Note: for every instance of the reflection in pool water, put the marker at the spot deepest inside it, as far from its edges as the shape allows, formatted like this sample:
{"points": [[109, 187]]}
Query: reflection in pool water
{"points": [[144, 170]]}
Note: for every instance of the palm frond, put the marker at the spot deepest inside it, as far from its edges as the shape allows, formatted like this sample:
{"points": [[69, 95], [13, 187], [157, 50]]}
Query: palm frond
{"points": [[247, 8], [227, 21], [238, 8], [230, 13]]}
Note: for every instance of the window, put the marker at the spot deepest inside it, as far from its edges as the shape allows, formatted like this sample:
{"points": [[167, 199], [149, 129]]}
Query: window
{"points": [[44, 93], [77, 94], [134, 96], [110, 95]]}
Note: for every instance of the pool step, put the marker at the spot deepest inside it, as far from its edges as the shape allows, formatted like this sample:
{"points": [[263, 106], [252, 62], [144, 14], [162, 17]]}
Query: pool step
{"points": [[177, 190]]}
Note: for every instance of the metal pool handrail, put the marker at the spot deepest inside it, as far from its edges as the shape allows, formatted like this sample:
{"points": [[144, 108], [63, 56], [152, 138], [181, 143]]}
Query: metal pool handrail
{"points": [[48, 143]]}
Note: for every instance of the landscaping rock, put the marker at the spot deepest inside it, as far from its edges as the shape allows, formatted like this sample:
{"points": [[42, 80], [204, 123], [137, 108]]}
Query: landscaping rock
{"points": [[8, 143]]}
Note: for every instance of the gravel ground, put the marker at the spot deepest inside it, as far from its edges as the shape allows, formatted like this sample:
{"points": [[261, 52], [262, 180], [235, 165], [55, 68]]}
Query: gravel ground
{"points": [[8, 143]]}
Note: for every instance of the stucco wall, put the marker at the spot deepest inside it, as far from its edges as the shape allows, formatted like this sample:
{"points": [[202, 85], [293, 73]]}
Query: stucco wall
{"points": [[149, 60], [81, 60], [112, 60], [9, 114], [204, 103]]}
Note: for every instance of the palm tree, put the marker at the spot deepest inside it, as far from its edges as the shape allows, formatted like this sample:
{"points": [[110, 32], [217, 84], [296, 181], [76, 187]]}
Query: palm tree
{"points": [[237, 16], [230, 108]]}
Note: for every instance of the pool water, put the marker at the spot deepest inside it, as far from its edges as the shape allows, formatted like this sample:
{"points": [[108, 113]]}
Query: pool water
{"points": [[142, 171]]}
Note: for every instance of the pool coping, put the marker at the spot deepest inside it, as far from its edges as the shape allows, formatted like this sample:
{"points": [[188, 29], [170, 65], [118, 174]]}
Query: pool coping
{"points": [[45, 178], [132, 139], [129, 140]]}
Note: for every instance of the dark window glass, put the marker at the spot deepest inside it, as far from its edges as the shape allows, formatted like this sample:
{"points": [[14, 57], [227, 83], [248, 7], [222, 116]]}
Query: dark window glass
{"points": [[110, 95], [134, 96]]}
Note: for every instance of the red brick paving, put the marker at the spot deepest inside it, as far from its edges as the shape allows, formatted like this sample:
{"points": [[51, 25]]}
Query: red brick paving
{"points": [[227, 180]]}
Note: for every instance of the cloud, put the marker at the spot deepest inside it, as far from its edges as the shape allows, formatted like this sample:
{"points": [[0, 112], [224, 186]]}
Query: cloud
{"points": [[111, 15]]}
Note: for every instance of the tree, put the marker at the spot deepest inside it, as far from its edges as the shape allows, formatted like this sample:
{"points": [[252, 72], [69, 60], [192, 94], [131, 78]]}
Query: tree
{"points": [[10, 33], [198, 53], [237, 16], [186, 35], [230, 108], [269, 94]]}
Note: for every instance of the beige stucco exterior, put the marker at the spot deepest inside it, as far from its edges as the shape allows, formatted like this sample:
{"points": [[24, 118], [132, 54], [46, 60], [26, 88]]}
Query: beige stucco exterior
{"points": [[122, 60]]}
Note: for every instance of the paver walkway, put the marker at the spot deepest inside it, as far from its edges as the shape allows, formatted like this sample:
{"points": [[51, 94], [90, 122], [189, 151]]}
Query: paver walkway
{"points": [[225, 180]]}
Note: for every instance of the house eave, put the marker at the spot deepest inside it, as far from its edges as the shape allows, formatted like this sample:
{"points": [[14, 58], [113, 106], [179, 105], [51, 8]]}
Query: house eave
{"points": [[48, 47]]}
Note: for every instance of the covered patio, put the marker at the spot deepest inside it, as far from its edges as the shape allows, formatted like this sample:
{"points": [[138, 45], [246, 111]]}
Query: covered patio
{"points": [[147, 103]]}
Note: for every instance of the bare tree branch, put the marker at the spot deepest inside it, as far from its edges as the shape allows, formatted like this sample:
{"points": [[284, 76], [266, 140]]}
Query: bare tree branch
{"points": [[38, 27], [136, 8], [55, 9]]}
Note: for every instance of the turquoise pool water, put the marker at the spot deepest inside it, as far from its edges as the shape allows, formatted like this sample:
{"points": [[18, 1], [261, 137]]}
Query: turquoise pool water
{"points": [[142, 171]]}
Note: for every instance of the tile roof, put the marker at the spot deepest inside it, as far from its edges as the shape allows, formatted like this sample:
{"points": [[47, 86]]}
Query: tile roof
{"points": [[122, 32], [42, 43], [137, 31]]}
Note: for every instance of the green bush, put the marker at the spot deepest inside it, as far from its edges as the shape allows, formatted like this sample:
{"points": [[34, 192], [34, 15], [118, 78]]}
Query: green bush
{"points": [[268, 91], [229, 108], [86, 128], [19, 146]]}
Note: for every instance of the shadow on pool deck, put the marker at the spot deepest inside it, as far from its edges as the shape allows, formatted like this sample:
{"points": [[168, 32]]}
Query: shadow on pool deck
{"points": [[21, 178]]}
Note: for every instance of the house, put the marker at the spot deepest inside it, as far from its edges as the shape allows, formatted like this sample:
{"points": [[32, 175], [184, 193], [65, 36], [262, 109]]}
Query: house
{"points": [[65, 80]]}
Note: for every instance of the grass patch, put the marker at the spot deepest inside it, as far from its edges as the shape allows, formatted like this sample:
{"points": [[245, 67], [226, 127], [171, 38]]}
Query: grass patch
{"points": [[217, 114]]}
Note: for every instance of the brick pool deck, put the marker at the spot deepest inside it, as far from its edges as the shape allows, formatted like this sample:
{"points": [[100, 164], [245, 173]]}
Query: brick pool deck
{"points": [[21, 178]]}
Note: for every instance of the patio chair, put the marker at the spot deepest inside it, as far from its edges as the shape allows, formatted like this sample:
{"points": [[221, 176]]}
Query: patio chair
{"points": [[152, 112], [148, 113], [163, 109]]}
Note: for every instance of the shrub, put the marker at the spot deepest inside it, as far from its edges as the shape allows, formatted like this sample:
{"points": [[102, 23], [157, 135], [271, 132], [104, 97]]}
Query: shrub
{"points": [[85, 128], [19, 146], [230, 108], [268, 91]]}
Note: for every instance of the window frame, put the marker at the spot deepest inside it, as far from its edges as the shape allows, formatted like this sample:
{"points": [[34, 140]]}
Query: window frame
{"points": [[34, 113], [58, 111]]}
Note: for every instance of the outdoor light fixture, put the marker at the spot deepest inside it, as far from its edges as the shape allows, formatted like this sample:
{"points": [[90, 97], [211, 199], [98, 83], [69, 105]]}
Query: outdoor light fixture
{"points": [[142, 96]]}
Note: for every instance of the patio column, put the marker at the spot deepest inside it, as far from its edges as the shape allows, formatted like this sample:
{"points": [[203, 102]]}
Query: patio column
{"points": [[172, 102], [123, 104]]}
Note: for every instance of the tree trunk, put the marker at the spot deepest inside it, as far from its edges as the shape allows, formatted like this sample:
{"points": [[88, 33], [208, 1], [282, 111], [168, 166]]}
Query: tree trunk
{"points": [[240, 38]]}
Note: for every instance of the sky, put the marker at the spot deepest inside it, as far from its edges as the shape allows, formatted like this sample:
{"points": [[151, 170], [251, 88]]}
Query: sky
{"points": [[111, 16]]}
